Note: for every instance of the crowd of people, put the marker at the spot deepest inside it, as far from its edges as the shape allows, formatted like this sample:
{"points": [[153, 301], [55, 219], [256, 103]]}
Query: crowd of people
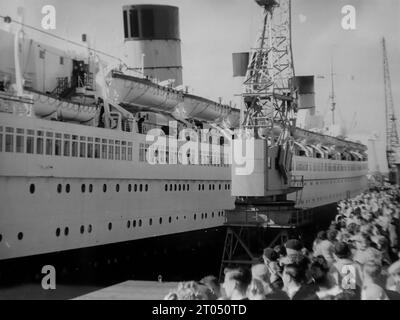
{"points": [[356, 258]]}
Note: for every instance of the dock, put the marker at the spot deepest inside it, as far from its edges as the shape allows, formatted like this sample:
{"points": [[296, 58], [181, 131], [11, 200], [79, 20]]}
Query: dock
{"points": [[132, 290]]}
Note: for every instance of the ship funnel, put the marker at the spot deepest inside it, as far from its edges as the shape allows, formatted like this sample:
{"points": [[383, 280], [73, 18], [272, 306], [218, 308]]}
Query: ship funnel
{"points": [[152, 41]]}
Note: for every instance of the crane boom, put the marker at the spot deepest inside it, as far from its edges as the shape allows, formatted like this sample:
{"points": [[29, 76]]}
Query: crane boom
{"points": [[392, 136]]}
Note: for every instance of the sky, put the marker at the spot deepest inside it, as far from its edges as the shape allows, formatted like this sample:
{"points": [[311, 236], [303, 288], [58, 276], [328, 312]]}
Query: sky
{"points": [[211, 30]]}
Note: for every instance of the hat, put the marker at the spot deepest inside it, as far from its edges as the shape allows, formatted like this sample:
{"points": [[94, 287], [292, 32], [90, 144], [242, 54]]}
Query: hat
{"points": [[294, 244], [395, 267], [270, 254]]}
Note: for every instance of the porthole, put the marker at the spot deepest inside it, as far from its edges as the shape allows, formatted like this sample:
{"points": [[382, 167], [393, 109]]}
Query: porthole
{"points": [[199, 187], [135, 188], [90, 228], [141, 188], [219, 186], [169, 219], [170, 187], [140, 222], [194, 216], [146, 188], [150, 221], [184, 217], [90, 188], [83, 188], [20, 235], [66, 231], [205, 215], [175, 187], [184, 187], [1, 237], [58, 232], [187, 187], [179, 187], [117, 187], [134, 223], [212, 214], [166, 187], [202, 216], [109, 226], [177, 218], [67, 188], [129, 187], [59, 188], [128, 224], [104, 188], [32, 188], [160, 220], [82, 229]]}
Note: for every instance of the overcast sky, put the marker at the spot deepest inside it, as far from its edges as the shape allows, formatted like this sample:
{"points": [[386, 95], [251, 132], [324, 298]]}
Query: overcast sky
{"points": [[211, 30]]}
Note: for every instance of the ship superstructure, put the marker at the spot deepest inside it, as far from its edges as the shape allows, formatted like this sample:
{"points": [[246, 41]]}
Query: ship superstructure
{"points": [[78, 163]]}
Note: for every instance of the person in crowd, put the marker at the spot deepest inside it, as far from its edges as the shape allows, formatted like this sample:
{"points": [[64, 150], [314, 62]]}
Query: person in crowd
{"points": [[189, 291], [372, 277], [346, 273], [293, 250], [321, 236], [211, 282], [270, 257], [255, 290], [393, 282], [236, 283], [318, 274], [294, 280], [261, 273], [326, 247]]}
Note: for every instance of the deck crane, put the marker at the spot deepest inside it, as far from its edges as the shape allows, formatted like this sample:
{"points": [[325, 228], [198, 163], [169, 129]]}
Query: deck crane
{"points": [[392, 136], [269, 122]]}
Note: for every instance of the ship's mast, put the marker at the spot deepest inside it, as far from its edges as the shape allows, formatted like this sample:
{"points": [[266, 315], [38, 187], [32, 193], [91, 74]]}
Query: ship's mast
{"points": [[332, 96]]}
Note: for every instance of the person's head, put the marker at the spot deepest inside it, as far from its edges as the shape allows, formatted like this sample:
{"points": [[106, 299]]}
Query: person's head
{"points": [[318, 270], [294, 273], [260, 271], [321, 235], [281, 250], [372, 271], [364, 242], [394, 271], [293, 247], [236, 281], [331, 235], [187, 291], [270, 255], [342, 250], [255, 290], [211, 282]]}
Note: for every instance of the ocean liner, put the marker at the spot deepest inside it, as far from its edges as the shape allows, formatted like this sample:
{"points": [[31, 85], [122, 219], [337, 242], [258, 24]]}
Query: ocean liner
{"points": [[77, 169]]}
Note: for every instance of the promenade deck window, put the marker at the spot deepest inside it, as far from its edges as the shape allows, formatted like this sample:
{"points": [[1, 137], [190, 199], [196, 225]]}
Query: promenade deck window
{"points": [[9, 139], [111, 149], [67, 145], [49, 143], [58, 145], [90, 147], [39, 142], [82, 147], [74, 151], [30, 141], [20, 140]]}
